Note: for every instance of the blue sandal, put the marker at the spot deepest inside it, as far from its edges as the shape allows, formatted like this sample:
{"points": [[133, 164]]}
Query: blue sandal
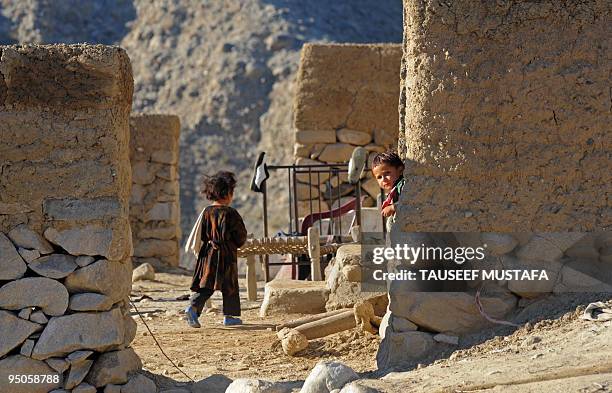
{"points": [[192, 317]]}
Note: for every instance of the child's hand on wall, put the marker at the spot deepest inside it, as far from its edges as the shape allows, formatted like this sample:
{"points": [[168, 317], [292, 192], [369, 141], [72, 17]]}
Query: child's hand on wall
{"points": [[388, 211]]}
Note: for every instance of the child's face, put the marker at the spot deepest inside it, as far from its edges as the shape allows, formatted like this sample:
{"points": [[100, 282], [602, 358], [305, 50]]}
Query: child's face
{"points": [[386, 175]]}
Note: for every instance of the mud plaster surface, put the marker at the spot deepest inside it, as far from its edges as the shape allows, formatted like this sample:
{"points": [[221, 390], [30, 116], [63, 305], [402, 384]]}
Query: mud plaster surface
{"points": [[505, 111]]}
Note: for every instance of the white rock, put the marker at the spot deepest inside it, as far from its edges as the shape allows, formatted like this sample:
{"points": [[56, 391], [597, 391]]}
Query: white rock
{"points": [[88, 240], [114, 367], [90, 302], [77, 373], [26, 348], [245, 385], [84, 388], [39, 317], [143, 272], [108, 278], [139, 384], [21, 365], [98, 331], [84, 260], [28, 255], [24, 237], [47, 294], [327, 376], [385, 324], [12, 265]]}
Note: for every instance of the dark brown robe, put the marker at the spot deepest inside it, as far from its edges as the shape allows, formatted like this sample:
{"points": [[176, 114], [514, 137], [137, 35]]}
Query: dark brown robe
{"points": [[223, 232]]}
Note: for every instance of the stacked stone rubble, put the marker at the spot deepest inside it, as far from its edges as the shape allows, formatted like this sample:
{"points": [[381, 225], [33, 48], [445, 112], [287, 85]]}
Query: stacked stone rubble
{"points": [[65, 242], [154, 202], [503, 125], [346, 97]]}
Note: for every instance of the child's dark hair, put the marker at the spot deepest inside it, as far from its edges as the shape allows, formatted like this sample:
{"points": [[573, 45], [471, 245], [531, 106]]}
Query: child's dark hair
{"points": [[388, 157], [218, 186]]}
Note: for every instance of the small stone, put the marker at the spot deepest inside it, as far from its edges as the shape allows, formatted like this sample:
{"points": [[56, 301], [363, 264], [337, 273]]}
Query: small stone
{"points": [[39, 317], [77, 373], [28, 255], [90, 302], [58, 364], [447, 339], [12, 265], [25, 313], [84, 260], [78, 357], [24, 237], [26, 348], [55, 266], [143, 272], [84, 388]]}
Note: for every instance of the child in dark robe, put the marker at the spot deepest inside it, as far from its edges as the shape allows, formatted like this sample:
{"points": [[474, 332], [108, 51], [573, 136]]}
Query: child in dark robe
{"points": [[216, 237]]}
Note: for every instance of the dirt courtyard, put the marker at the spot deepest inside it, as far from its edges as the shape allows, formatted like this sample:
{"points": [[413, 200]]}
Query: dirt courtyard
{"points": [[248, 351]]}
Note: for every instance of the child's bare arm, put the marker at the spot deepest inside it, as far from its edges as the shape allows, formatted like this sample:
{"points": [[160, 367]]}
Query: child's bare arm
{"points": [[388, 211]]}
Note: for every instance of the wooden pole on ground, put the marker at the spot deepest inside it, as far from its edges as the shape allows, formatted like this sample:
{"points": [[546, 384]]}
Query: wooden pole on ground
{"points": [[251, 276], [310, 318], [330, 325], [314, 252]]}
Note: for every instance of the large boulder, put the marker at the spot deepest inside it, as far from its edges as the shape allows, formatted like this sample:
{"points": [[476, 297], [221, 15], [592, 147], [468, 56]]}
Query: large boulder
{"points": [[450, 312], [12, 265], [14, 331], [97, 331], [110, 278], [21, 365], [90, 302], [114, 367], [400, 348], [50, 295], [327, 376], [292, 296], [213, 383]]}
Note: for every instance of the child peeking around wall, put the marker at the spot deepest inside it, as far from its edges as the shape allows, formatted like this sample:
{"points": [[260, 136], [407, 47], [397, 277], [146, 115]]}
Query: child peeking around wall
{"points": [[215, 239], [388, 170]]}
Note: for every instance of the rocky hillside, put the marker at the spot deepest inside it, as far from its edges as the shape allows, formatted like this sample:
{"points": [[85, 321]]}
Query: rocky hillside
{"points": [[225, 67]]}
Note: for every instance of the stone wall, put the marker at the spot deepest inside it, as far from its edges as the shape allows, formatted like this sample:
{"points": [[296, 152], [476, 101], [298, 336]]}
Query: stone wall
{"points": [[65, 242], [154, 203], [346, 96], [504, 114]]}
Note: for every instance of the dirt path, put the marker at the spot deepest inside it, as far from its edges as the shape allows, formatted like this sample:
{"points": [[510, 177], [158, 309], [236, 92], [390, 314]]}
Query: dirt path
{"points": [[251, 350]]}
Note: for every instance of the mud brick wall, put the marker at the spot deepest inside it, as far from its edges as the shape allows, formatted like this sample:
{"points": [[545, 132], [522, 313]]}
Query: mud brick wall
{"points": [[154, 202], [504, 127], [346, 96], [505, 116], [65, 242]]}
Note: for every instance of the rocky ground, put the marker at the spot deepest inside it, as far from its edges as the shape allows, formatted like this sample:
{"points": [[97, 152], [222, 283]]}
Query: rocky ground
{"points": [[556, 349]]}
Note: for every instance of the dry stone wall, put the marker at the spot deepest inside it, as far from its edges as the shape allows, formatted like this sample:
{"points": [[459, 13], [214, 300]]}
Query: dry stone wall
{"points": [[154, 202], [504, 113], [65, 242], [346, 96]]}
